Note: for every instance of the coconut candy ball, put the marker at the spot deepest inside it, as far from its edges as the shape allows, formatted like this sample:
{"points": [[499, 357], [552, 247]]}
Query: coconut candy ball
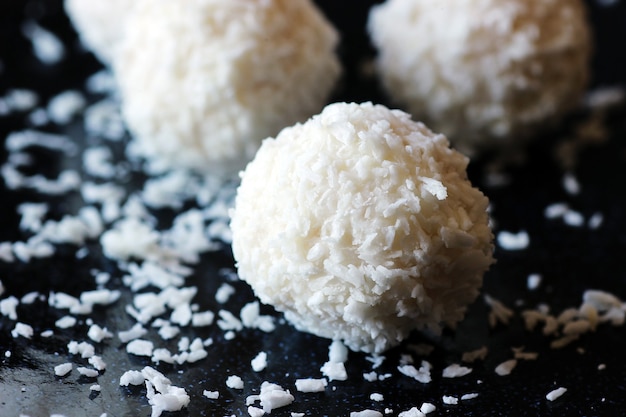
{"points": [[487, 73], [204, 81], [100, 24], [361, 225]]}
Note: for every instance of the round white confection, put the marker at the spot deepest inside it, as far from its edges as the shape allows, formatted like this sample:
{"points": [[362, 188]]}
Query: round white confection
{"points": [[100, 24], [361, 225], [204, 81], [487, 73]]}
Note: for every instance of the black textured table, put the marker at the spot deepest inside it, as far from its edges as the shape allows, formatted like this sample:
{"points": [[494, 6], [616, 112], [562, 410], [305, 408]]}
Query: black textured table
{"points": [[570, 260]]}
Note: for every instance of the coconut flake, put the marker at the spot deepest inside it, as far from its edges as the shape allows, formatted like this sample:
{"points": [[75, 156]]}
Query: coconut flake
{"points": [[234, 382], [87, 372], [506, 367], [413, 412], [366, 413], [22, 329], [450, 400], [63, 107], [455, 371], [556, 393], [311, 384], [259, 362], [513, 241], [140, 347], [46, 46], [63, 369], [212, 395], [422, 374]]}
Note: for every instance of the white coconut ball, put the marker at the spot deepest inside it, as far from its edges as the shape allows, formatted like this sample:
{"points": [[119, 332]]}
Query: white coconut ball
{"points": [[100, 24], [204, 81], [361, 225], [484, 72]]}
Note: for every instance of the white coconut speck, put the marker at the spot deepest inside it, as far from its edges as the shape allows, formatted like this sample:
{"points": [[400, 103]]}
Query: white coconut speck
{"points": [[455, 371], [8, 307], [65, 322], [131, 377], [513, 241], [366, 413], [22, 329], [64, 106], [533, 281], [234, 382], [422, 374], [376, 397], [556, 393], [98, 334], [140, 347], [506, 367], [259, 362], [135, 332], [212, 395], [311, 384], [413, 412], [450, 400], [87, 372], [47, 47], [63, 369]]}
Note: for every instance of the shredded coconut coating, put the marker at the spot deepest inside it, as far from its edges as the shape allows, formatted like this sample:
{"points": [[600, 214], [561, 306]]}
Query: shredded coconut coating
{"points": [[204, 81], [361, 226], [487, 73], [100, 24]]}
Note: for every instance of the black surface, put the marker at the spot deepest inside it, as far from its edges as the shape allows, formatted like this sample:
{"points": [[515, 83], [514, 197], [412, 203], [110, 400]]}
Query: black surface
{"points": [[570, 260]]}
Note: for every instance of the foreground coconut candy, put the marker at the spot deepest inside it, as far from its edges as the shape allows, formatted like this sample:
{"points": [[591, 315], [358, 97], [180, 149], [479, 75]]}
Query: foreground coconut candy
{"points": [[361, 225]]}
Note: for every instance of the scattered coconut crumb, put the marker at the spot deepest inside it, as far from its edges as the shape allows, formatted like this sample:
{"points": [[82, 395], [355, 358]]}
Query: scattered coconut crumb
{"points": [[223, 293], [427, 408], [63, 369], [366, 413], [334, 368], [413, 412], [211, 395], [234, 382], [472, 356], [311, 384], [422, 374], [259, 362], [469, 396], [456, 371], [513, 241], [450, 400], [140, 347], [533, 281], [272, 396], [499, 312], [556, 393], [506, 367], [22, 329], [376, 397], [87, 372], [47, 47]]}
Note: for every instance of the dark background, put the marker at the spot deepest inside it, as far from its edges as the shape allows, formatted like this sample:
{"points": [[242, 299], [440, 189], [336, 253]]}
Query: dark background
{"points": [[570, 260]]}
